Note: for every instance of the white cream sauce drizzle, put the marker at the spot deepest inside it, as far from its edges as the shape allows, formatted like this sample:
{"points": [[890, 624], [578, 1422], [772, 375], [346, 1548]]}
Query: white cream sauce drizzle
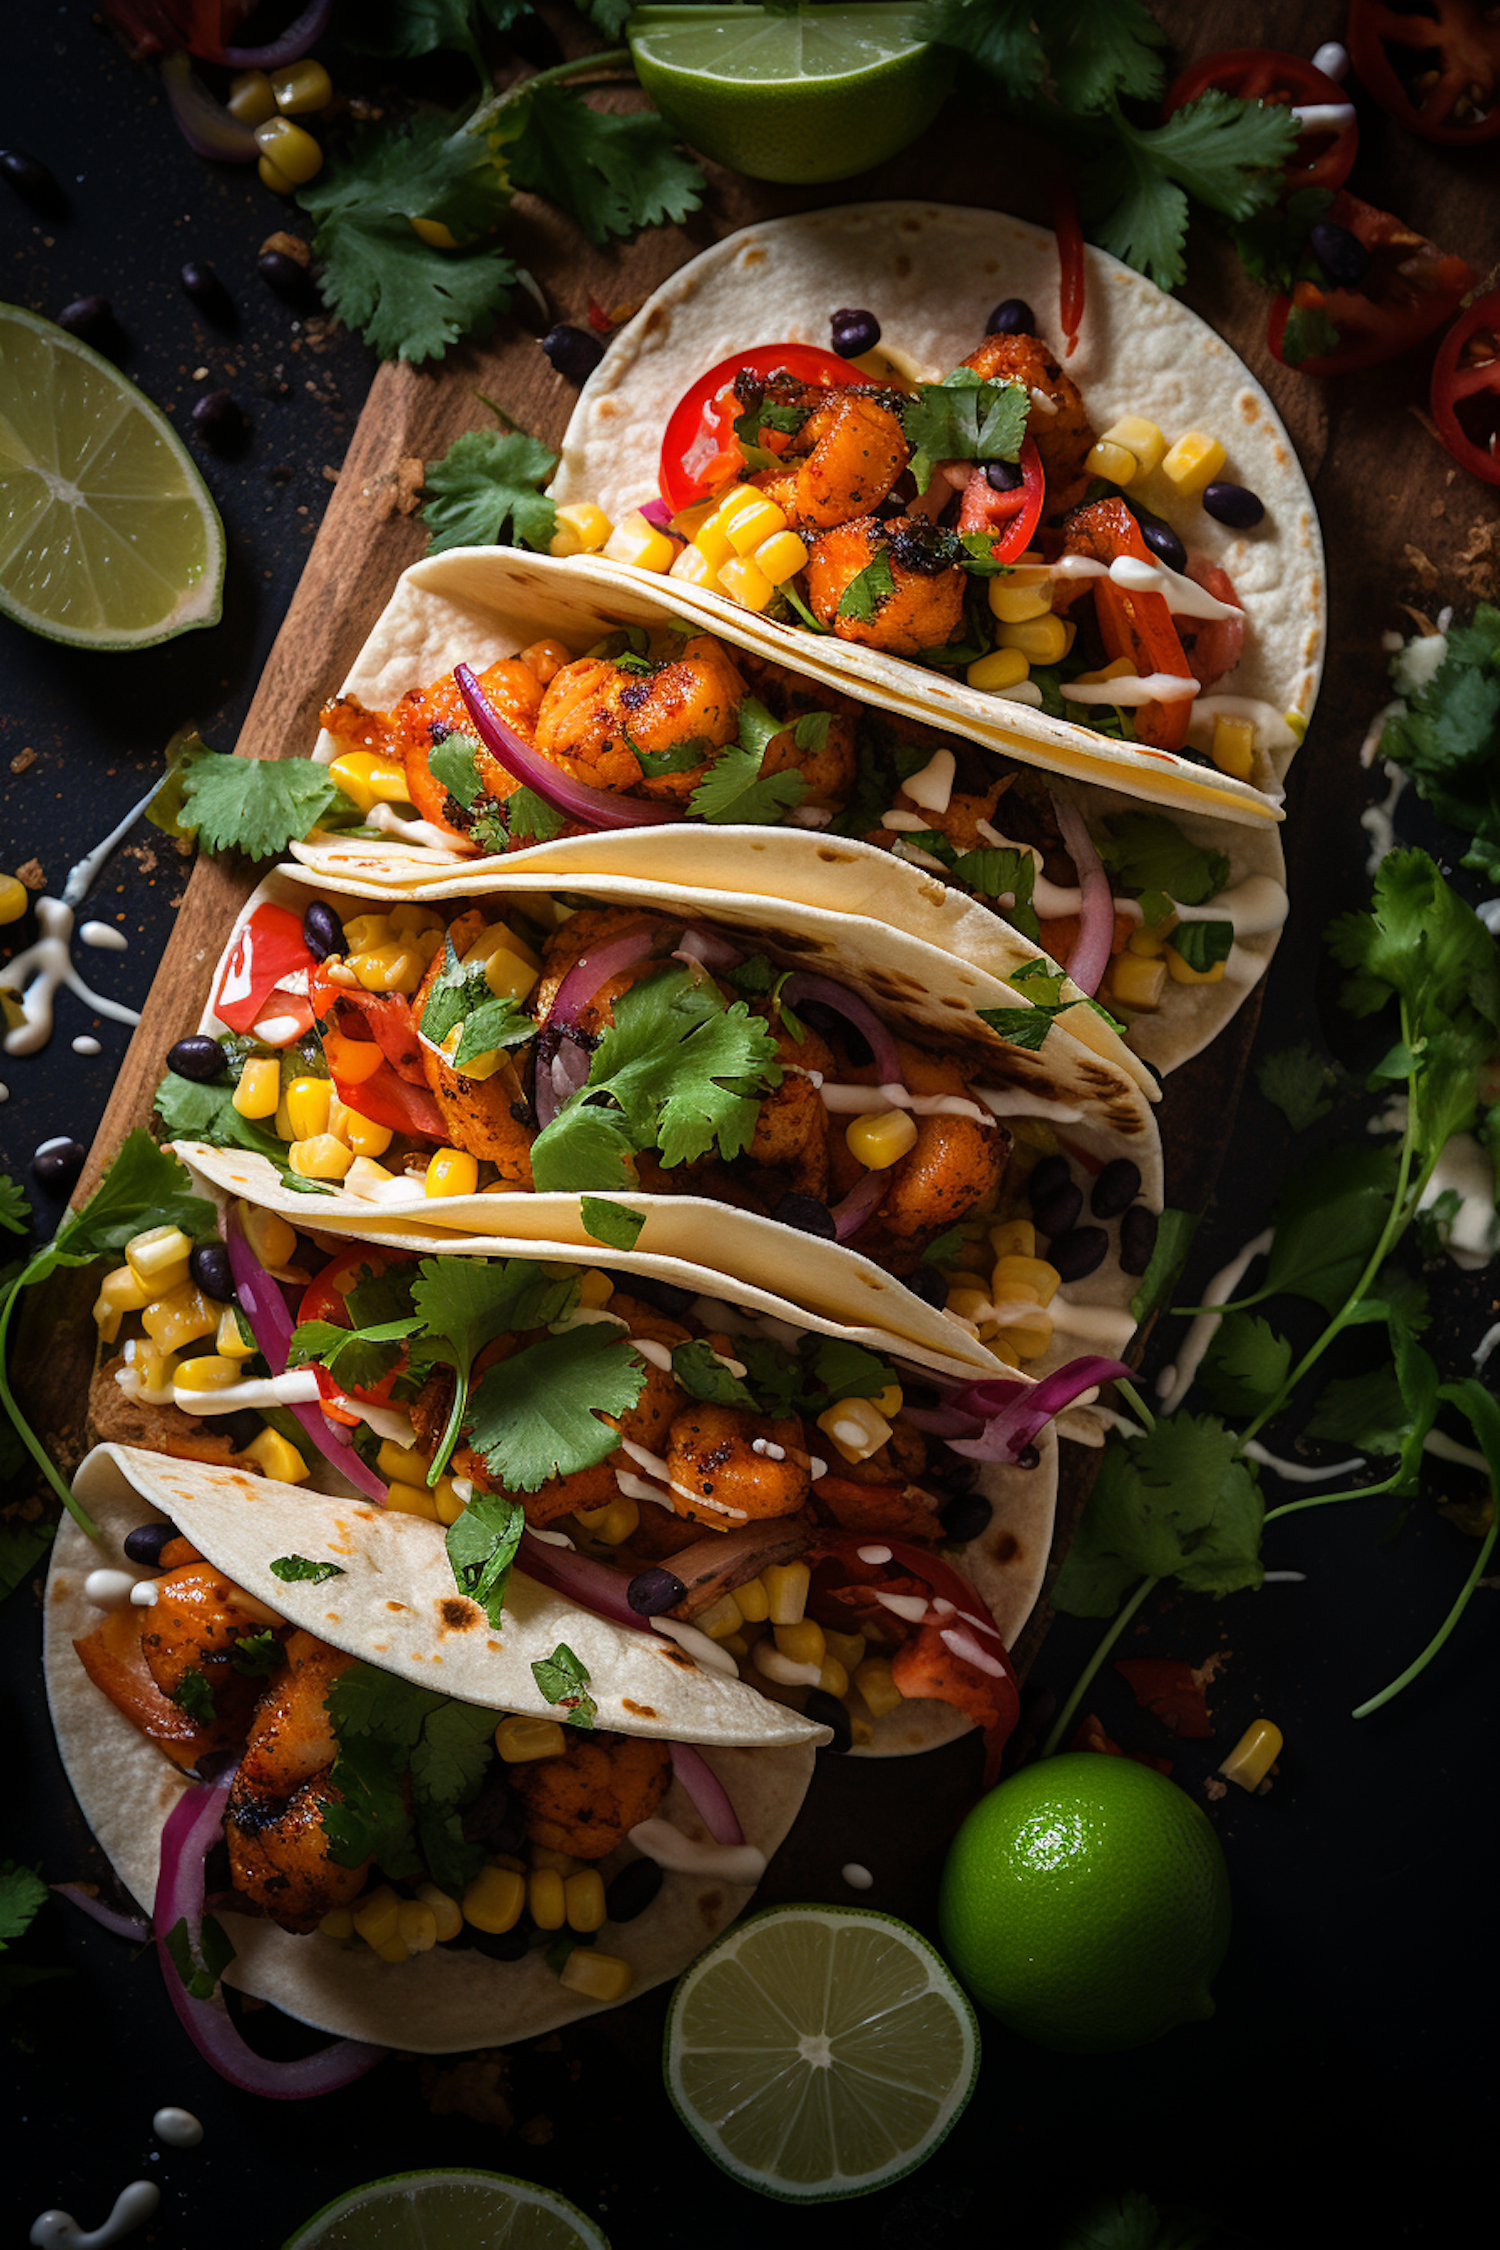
{"points": [[1443, 1448], [1174, 1382], [1486, 1345], [1488, 911], [1332, 60], [109, 1589], [86, 1044], [697, 1645], [298, 1387], [1270, 728], [143, 1594], [1378, 821], [1300, 1472], [179, 2128], [1324, 117], [59, 2230], [786, 1671], [1131, 688], [732, 1863], [1183, 595], [859, 1101], [390, 823], [933, 786], [873, 1554], [858, 1878], [43, 969], [104, 937], [655, 1466]]}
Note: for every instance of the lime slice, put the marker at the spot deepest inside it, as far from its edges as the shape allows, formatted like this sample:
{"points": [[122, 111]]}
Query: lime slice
{"points": [[812, 96], [818, 2052], [108, 537], [449, 2211]]}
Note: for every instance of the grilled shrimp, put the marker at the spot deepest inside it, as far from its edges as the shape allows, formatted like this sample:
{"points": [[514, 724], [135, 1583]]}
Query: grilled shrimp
{"points": [[739, 1461], [481, 1114], [832, 769], [956, 1163], [278, 1850], [587, 1801], [115, 1661], [791, 1123], [195, 1624], [583, 932], [1064, 436], [849, 452], [595, 717], [925, 606]]}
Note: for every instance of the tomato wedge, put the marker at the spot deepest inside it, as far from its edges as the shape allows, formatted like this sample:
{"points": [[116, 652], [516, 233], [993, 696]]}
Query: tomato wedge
{"points": [[1410, 288], [1450, 90], [700, 451], [1325, 150], [1011, 516], [391, 1089], [1466, 375], [269, 947], [324, 1299]]}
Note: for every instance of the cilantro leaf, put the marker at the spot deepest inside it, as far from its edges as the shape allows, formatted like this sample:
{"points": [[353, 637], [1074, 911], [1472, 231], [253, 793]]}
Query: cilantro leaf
{"points": [[1295, 1081], [735, 788], [535, 1415], [999, 874], [22, 1895], [193, 1111], [614, 174], [1225, 152], [1201, 944], [293, 1570], [15, 1207], [1272, 246], [847, 1370], [257, 1655], [202, 1970], [482, 1546], [528, 815], [460, 996], [1177, 1503], [1448, 739], [775, 1374], [1174, 1239], [1000, 35], [698, 1370], [963, 418], [489, 480], [1042, 984], [453, 762], [564, 1680], [463, 1302], [1245, 1364], [254, 805], [1328, 1221], [411, 28], [193, 1695], [360, 1355], [1101, 49], [449, 1757], [866, 591], [1363, 1410], [1148, 852], [612, 1223]]}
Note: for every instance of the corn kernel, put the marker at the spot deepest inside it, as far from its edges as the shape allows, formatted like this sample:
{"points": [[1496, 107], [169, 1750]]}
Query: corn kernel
{"points": [[1018, 594], [493, 1901], [598, 1976], [1253, 1755], [277, 1457], [290, 148], [400, 1464], [107, 1319], [1140, 438], [780, 557], [545, 1898], [209, 1373], [999, 1343], [1018, 1280], [801, 1643], [250, 98], [181, 1318], [1028, 1339], [307, 1104], [736, 1645], [1136, 982], [1193, 462], [751, 526], [875, 1684], [507, 975], [520, 1740], [562, 1863], [302, 87], [281, 1124], [889, 1401], [737, 501], [14, 898], [396, 966], [856, 1427], [415, 921], [693, 567], [434, 233], [720, 1618], [583, 1900], [634, 540], [1002, 668], [833, 1679], [1146, 944], [153, 1370], [786, 1587], [412, 1500], [451, 1171], [396, 1948], [1181, 972], [881, 1140], [861, 1733], [259, 1090], [338, 1922], [446, 1501], [711, 540], [361, 1134], [363, 932], [1041, 640], [416, 1926], [595, 1288], [272, 176], [1112, 462], [1016, 1238], [499, 937], [746, 582], [621, 1520], [230, 1340], [375, 1916], [848, 1649], [967, 1304], [124, 1290], [446, 1912], [581, 529], [1233, 747], [322, 1158]]}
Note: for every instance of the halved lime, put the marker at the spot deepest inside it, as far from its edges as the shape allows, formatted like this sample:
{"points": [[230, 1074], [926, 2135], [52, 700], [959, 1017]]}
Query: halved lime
{"points": [[818, 2052], [816, 95], [448, 2211], [108, 536]]}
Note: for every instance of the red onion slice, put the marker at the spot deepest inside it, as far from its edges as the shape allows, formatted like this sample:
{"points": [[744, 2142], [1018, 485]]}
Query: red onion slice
{"points": [[596, 808], [1089, 958], [656, 513], [133, 1927], [862, 1201], [707, 1792], [1014, 1414], [583, 980], [855, 1011], [593, 1585], [301, 33], [709, 947], [204, 124]]}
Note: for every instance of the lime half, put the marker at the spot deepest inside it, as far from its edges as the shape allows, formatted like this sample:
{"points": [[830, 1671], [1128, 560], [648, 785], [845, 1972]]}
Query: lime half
{"points": [[108, 536], [816, 95], [818, 2052], [449, 2211]]}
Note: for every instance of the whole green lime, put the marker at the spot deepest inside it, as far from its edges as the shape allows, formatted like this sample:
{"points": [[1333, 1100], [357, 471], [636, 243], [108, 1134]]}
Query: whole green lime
{"points": [[1085, 1903]]}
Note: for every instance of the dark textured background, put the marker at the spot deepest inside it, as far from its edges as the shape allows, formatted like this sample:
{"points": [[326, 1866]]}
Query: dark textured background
{"points": [[1336, 2097]]}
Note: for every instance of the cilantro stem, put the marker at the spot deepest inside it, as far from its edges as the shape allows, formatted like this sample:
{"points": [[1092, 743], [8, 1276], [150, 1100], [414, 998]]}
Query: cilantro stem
{"points": [[1132, 1398], [611, 59], [1081, 1685], [454, 1425], [1420, 1663], [1331, 1499], [13, 1412]]}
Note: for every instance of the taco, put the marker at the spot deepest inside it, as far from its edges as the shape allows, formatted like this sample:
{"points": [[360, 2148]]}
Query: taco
{"points": [[646, 748], [403, 1866], [929, 522]]}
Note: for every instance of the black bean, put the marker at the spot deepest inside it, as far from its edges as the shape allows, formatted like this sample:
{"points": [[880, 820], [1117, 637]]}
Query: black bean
{"points": [[208, 1263], [1057, 1213], [1012, 318], [92, 321], [197, 1057], [966, 1517], [57, 1164], [662, 1296], [632, 1890], [145, 1543], [1003, 476], [1137, 1238], [654, 1590], [1028, 1457], [1077, 1253], [31, 180], [806, 1214], [930, 1285], [573, 352], [208, 292], [322, 931], [853, 332], [286, 276], [1116, 1188], [1052, 1173], [502, 1945], [827, 1711], [1341, 254], [1161, 539], [1234, 504], [219, 419]]}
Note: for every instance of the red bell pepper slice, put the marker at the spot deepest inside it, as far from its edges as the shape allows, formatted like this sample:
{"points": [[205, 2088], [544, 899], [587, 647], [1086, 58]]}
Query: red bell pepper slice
{"points": [[1133, 624], [1454, 42], [1466, 376], [700, 450], [395, 1092], [323, 1299], [1409, 289], [269, 947], [1325, 153], [1012, 516]]}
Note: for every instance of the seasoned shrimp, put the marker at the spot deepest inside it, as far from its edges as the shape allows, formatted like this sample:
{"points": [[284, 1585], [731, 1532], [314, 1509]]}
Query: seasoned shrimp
{"points": [[587, 1801], [279, 1852], [901, 1511], [852, 448], [648, 1421], [1064, 436], [925, 606], [738, 1461], [197, 1621], [115, 1661], [592, 1487], [596, 718], [791, 1124], [490, 1117], [584, 932], [831, 769], [956, 1163]]}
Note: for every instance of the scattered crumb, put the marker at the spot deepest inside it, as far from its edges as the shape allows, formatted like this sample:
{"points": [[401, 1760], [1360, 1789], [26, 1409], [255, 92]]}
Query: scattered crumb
{"points": [[1425, 568], [551, 2045], [31, 875], [22, 759], [200, 374], [476, 2087], [399, 491], [1214, 1789], [537, 2131], [329, 473], [143, 855]]}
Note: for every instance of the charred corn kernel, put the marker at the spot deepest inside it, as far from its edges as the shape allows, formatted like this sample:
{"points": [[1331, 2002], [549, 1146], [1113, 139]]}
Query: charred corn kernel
{"points": [[375, 1916], [967, 1304], [599, 1976], [307, 1105], [744, 581], [520, 1740], [250, 98], [290, 148], [1115, 463], [693, 567], [875, 1684], [412, 1500], [1137, 982], [786, 1587], [493, 1901], [1015, 1239], [1002, 668], [124, 1290], [230, 1339], [1028, 1339], [1033, 1277], [780, 557], [451, 1171], [272, 176], [365, 931], [301, 87], [14, 899], [210, 1373], [447, 1502], [278, 1457], [1019, 594], [416, 1926], [366, 1177], [580, 528], [499, 937], [447, 1914], [107, 1319], [855, 1427], [561, 1863], [583, 1900], [752, 1602], [400, 1464], [720, 1618], [269, 1236], [801, 1643], [861, 1733], [362, 1134], [1146, 944], [634, 540], [1253, 1755], [1181, 972], [711, 541], [414, 921], [152, 1368], [1233, 747], [396, 1948], [258, 1093], [847, 1649], [882, 1139], [545, 1898], [1041, 640], [833, 1679], [180, 1318], [888, 1402], [397, 966], [621, 1520], [595, 1289], [320, 1158], [338, 1922], [750, 526], [1193, 462]]}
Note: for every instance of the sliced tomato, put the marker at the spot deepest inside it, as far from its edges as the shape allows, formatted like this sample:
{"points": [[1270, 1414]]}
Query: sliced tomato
{"points": [[1450, 89], [700, 434], [288, 1016], [1410, 288], [1175, 1691], [1212, 645], [326, 1298], [1138, 626], [269, 947], [1466, 389], [1011, 516], [1070, 267], [1325, 151], [392, 1089]]}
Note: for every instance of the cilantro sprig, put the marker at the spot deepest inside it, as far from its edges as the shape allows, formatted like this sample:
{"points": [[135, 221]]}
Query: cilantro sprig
{"points": [[257, 806], [408, 1762], [736, 788], [489, 483], [1447, 737], [964, 418]]}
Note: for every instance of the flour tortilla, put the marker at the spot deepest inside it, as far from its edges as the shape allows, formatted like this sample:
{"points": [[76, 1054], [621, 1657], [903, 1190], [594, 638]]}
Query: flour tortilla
{"points": [[476, 604], [447, 1999], [930, 273]]}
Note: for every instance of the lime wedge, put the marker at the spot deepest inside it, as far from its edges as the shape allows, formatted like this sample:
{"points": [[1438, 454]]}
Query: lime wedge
{"points": [[448, 2211], [108, 537], [816, 95], [818, 2052]]}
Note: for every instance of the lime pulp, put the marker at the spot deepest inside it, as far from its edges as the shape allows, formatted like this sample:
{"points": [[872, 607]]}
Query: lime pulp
{"points": [[448, 2211]]}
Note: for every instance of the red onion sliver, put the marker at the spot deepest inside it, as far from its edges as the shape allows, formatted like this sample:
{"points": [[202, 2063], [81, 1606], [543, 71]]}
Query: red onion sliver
{"points": [[115, 1919], [1014, 1415], [656, 512], [855, 1011], [707, 1792], [583, 980], [204, 124], [701, 942], [1089, 958], [596, 808], [301, 33], [862, 1201], [593, 1585]]}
